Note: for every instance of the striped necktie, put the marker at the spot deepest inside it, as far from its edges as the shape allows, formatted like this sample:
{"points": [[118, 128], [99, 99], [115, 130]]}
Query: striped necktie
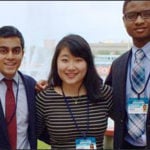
{"points": [[138, 72], [136, 124]]}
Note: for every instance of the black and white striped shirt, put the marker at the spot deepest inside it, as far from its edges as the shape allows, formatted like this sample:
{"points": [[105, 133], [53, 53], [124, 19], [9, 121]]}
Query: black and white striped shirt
{"points": [[52, 113]]}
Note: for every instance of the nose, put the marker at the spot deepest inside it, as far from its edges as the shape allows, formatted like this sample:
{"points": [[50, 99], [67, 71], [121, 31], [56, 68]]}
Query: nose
{"points": [[10, 54], [139, 19], [71, 65]]}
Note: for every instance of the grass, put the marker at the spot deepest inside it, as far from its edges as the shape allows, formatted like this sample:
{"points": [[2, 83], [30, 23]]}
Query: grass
{"points": [[42, 145]]}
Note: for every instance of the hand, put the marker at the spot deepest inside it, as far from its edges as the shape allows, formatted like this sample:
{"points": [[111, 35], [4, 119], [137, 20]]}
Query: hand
{"points": [[41, 85]]}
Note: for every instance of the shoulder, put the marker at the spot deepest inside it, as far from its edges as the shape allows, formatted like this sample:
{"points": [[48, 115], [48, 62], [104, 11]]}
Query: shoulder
{"points": [[107, 92], [27, 78], [106, 89], [122, 57], [47, 98], [46, 94]]}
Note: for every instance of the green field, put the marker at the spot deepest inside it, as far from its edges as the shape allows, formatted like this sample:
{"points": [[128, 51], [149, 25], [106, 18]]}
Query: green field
{"points": [[42, 145]]}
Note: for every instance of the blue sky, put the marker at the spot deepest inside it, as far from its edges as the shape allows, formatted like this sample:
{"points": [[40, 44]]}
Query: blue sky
{"points": [[39, 20]]}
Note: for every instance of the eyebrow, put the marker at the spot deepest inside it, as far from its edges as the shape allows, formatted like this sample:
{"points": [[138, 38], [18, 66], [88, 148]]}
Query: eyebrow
{"points": [[3, 46], [12, 47]]}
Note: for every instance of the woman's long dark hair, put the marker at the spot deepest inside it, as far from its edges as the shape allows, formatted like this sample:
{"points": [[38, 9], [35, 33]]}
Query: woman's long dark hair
{"points": [[78, 47]]}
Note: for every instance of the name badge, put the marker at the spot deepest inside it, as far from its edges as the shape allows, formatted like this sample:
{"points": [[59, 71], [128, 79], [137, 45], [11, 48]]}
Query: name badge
{"points": [[138, 105], [86, 143]]}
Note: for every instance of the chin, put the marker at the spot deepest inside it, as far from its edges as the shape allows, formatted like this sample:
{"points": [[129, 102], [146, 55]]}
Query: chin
{"points": [[10, 74]]}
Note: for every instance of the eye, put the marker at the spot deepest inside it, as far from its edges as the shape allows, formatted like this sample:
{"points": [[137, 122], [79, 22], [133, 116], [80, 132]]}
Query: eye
{"points": [[64, 60], [146, 14], [79, 59], [3, 51], [130, 16], [16, 50]]}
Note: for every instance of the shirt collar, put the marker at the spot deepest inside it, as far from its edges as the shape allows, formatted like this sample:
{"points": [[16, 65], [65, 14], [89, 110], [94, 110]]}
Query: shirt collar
{"points": [[145, 48], [15, 78]]}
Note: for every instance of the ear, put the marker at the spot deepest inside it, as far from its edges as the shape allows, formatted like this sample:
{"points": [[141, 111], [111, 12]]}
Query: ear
{"points": [[123, 18], [23, 52]]}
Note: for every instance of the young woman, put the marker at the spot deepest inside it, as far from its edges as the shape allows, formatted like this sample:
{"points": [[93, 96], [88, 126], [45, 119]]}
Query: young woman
{"points": [[74, 108]]}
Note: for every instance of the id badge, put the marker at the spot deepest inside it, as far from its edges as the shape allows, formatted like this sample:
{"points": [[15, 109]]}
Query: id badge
{"points": [[86, 143], [138, 106]]}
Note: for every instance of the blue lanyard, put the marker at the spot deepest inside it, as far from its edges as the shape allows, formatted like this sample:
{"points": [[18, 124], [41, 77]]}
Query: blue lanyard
{"points": [[73, 117], [132, 87]]}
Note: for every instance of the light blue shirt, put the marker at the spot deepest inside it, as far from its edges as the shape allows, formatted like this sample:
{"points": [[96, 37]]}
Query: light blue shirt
{"points": [[22, 109], [141, 141]]}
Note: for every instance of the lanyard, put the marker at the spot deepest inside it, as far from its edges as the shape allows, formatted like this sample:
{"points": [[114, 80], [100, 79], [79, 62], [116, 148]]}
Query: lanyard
{"points": [[132, 87], [73, 117]]}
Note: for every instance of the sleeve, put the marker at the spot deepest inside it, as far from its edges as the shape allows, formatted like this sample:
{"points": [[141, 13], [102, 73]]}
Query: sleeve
{"points": [[110, 104], [108, 96], [108, 82], [40, 125], [42, 132]]}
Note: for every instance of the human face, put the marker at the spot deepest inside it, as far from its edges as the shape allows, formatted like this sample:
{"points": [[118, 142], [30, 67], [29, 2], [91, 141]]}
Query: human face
{"points": [[71, 69], [138, 29], [11, 54]]}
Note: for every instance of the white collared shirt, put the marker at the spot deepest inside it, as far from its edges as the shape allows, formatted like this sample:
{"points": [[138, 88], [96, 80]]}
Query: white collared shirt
{"points": [[22, 109]]}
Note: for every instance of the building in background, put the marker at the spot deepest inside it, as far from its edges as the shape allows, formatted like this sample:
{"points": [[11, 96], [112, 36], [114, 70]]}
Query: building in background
{"points": [[37, 60]]}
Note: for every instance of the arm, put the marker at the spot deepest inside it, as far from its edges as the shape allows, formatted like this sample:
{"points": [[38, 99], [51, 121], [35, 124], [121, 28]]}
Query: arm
{"points": [[40, 123], [108, 81]]}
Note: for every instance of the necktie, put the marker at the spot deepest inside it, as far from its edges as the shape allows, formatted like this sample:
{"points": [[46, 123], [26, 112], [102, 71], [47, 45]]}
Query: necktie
{"points": [[138, 73], [10, 111], [136, 125]]}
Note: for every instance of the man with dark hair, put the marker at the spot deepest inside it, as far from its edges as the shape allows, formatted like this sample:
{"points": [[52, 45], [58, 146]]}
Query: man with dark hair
{"points": [[130, 78], [17, 94]]}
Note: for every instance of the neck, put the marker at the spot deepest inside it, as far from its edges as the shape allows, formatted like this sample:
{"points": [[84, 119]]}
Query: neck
{"points": [[71, 90], [140, 43]]}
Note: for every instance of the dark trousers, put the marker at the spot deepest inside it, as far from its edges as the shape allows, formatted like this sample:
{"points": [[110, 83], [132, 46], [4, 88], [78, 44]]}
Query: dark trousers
{"points": [[126, 145]]}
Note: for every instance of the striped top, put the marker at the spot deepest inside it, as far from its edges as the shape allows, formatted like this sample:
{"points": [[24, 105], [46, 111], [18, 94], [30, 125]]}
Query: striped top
{"points": [[52, 113]]}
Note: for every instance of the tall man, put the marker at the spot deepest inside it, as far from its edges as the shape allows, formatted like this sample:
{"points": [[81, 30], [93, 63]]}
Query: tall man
{"points": [[130, 78], [17, 103]]}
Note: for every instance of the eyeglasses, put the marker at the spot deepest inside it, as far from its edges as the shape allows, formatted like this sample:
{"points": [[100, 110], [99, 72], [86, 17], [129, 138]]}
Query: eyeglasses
{"points": [[132, 16]]}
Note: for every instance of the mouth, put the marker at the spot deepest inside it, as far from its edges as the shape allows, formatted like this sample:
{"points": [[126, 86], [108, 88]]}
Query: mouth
{"points": [[71, 75], [10, 65], [140, 30]]}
